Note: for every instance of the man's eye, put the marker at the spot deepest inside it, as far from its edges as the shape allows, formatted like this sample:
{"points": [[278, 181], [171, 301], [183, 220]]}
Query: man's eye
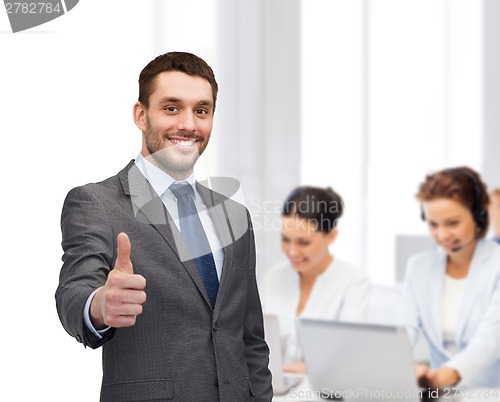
{"points": [[171, 109], [201, 111]]}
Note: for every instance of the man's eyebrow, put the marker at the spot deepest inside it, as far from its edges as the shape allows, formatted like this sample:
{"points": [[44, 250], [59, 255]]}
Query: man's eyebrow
{"points": [[169, 99], [206, 103], [173, 99]]}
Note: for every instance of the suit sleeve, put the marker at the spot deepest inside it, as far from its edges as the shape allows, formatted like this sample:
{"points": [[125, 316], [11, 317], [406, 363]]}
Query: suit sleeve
{"points": [[88, 247], [256, 349]]}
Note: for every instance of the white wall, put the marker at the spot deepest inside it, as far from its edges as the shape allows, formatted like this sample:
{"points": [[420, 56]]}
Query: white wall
{"points": [[491, 91], [392, 101], [259, 133]]}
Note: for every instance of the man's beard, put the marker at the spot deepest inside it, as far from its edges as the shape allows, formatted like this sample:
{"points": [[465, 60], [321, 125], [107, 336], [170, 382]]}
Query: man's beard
{"points": [[169, 157]]}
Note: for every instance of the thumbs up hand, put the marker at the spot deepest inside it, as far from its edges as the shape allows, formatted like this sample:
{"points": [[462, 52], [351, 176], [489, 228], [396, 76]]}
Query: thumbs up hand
{"points": [[119, 302]]}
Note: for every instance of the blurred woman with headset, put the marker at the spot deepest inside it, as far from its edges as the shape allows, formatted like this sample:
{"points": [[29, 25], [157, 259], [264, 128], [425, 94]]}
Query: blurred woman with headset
{"points": [[312, 283], [452, 294]]}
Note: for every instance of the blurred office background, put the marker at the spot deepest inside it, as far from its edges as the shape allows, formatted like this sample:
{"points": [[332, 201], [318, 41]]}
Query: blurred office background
{"points": [[364, 96]]}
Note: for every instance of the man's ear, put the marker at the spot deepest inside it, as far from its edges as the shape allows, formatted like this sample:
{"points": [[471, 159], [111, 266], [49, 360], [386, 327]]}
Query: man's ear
{"points": [[139, 113], [332, 235]]}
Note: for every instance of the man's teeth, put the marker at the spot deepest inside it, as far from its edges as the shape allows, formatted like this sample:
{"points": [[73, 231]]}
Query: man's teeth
{"points": [[183, 143]]}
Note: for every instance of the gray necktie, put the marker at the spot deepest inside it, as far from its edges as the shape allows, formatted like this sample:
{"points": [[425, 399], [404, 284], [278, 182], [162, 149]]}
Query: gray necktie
{"points": [[193, 233]]}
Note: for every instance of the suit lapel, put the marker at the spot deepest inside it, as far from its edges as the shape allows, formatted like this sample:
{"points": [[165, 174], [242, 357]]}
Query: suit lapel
{"points": [[149, 208]]}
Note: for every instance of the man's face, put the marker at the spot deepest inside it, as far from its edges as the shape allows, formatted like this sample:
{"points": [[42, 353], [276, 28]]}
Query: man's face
{"points": [[177, 124]]}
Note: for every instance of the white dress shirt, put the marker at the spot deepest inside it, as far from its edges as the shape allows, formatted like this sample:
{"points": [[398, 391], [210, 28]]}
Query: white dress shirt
{"points": [[452, 300]]}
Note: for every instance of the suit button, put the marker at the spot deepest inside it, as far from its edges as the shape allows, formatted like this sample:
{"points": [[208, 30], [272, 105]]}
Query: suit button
{"points": [[79, 338], [215, 328]]}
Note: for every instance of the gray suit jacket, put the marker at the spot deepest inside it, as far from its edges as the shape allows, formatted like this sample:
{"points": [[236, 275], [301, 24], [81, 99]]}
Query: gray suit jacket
{"points": [[180, 348]]}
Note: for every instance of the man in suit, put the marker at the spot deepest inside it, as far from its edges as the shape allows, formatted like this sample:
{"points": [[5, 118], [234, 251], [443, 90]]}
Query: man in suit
{"points": [[174, 323]]}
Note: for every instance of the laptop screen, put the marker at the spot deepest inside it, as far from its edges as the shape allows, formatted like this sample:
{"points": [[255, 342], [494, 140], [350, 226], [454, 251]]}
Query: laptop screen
{"points": [[358, 361]]}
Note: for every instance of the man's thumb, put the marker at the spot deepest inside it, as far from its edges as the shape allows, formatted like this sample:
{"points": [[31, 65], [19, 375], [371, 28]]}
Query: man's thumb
{"points": [[123, 262]]}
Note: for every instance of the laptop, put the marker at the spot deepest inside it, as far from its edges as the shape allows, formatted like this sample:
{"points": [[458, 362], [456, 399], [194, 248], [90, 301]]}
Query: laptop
{"points": [[282, 383], [359, 362]]}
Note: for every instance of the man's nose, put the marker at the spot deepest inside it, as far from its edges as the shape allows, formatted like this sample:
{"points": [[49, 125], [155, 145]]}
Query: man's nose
{"points": [[186, 122]]}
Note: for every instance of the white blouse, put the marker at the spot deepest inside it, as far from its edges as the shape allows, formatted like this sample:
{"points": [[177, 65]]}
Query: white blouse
{"points": [[452, 300], [339, 293]]}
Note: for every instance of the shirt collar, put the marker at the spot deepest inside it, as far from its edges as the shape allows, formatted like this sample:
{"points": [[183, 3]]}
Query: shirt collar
{"points": [[159, 180]]}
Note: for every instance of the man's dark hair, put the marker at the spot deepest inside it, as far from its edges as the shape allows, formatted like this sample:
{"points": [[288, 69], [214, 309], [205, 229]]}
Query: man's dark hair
{"points": [[174, 61]]}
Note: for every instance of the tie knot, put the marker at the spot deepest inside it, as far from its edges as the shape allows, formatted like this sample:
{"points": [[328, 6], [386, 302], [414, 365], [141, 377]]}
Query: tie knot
{"points": [[181, 188]]}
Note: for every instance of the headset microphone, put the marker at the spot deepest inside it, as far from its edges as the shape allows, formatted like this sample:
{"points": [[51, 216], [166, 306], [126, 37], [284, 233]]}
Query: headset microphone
{"points": [[459, 248]]}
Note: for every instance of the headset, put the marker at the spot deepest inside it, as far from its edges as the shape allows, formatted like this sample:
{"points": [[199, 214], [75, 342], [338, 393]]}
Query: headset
{"points": [[479, 213]]}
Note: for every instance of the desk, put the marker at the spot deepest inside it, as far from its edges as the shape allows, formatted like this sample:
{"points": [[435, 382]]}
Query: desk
{"points": [[304, 392]]}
